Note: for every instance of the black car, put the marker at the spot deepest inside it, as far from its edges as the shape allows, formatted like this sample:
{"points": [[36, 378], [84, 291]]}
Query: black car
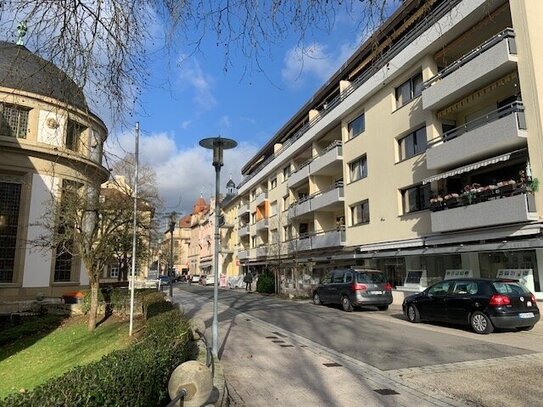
{"points": [[352, 288], [484, 304]]}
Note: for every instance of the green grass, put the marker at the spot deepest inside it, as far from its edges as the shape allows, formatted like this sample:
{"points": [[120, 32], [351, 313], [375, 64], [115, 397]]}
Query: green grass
{"points": [[34, 359]]}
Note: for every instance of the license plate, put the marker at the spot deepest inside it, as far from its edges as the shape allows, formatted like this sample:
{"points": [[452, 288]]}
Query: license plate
{"points": [[524, 315], [376, 292]]}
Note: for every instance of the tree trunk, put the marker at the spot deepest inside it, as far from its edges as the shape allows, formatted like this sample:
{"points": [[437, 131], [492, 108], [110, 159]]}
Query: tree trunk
{"points": [[94, 285]]}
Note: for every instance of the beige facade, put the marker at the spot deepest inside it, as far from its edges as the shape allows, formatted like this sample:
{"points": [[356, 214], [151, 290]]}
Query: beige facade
{"points": [[181, 244], [418, 157], [47, 137]]}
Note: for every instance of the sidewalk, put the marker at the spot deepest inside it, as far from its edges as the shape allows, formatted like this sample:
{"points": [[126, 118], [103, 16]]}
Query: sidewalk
{"points": [[265, 365]]}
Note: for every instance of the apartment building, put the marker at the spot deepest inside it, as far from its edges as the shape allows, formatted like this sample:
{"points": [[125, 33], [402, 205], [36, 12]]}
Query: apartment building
{"points": [[180, 251], [420, 156], [49, 140]]}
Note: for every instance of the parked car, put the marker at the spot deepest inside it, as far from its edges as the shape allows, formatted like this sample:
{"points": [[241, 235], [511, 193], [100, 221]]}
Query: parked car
{"points": [[353, 288], [195, 278], [484, 304], [208, 279]]}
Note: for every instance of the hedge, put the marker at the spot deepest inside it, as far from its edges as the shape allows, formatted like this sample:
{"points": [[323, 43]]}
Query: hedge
{"points": [[266, 283], [135, 376], [119, 298]]}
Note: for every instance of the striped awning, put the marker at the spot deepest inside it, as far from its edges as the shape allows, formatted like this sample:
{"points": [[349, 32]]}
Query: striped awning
{"points": [[468, 168]]}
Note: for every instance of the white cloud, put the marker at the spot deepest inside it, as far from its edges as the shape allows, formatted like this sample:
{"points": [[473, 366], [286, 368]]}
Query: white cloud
{"points": [[315, 61], [192, 74], [185, 124], [224, 122], [184, 174]]}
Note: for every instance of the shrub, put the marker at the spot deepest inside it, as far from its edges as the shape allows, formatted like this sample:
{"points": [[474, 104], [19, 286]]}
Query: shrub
{"points": [[135, 376], [266, 283], [119, 297]]}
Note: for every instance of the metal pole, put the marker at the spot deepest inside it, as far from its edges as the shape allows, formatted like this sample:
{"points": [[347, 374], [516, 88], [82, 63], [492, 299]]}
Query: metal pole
{"points": [[215, 326], [135, 223], [170, 272]]}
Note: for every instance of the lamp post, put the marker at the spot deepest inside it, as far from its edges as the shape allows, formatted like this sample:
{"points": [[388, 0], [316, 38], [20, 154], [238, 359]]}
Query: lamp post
{"points": [[170, 269], [218, 145]]}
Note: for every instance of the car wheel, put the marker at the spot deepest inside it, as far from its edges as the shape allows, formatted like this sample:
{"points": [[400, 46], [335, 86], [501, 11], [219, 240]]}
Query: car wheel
{"points": [[317, 299], [382, 307], [480, 323], [525, 328], [346, 304], [413, 313]]}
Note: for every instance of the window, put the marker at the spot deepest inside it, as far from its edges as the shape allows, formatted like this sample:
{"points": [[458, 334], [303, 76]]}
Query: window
{"points": [[13, 121], [114, 272], [10, 198], [358, 169], [409, 90], [412, 144], [64, 256], [357, 126], [303, 230], [285, 202], [440, 289], [360, 213], [348, 277], [327, 279], [73, 135], [252, 195], [465, 288], [338, 277], [286, 232], [253, 217], [273, 183], [273, 208], [416, 198], [286, 173], [253, 241]]}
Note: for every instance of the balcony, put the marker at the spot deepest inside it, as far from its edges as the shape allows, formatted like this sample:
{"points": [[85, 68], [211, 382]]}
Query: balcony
{"points": [[331, 238], [298, 177], [328, 200], [243, 230], [243, 254], [494, 212], [226, 250], [243, 209], [501, 130], [486, 63], [261, 225], [261, 251], [260, 198], [330, 161]]}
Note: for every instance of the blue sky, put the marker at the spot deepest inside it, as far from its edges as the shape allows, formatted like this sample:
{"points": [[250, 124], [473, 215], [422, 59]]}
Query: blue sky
{"points": [[191, 97]]}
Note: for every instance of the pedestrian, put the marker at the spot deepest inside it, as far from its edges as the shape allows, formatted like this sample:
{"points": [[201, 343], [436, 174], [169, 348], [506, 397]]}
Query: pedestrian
{"points": [[248, 279]]}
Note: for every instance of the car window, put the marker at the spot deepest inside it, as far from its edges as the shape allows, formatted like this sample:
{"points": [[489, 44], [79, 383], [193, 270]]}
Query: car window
{"points": [[371, 277], [465, 288], [440, 289], [510, 288], [338, 277], [327, 279], [348, 277]]}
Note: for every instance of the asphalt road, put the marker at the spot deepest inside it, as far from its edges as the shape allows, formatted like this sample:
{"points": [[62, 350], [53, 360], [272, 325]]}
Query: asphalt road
{"points": [[381, 339]]}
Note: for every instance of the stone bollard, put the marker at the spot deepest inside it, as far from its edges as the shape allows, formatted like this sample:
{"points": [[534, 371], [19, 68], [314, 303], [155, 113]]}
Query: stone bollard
{"points": [[198, 328], [196, 379]]}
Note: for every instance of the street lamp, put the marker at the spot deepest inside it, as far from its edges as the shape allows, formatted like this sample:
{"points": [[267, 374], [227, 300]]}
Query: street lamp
{"points": [[170, 269], [218, 145]]}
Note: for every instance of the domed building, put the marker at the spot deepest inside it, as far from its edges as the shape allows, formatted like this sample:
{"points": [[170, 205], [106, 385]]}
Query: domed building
{"points": [[48, 139]]}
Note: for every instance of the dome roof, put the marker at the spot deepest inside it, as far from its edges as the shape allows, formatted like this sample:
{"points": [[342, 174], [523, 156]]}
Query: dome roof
{"points": [[23, 70]]}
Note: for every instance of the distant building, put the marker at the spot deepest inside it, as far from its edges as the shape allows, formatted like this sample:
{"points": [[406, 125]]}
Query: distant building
{"points": [[48, 137]]}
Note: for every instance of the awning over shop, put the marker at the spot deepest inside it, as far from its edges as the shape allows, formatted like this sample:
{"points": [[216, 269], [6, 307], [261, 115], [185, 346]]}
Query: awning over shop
{"points": [[468, 168]]}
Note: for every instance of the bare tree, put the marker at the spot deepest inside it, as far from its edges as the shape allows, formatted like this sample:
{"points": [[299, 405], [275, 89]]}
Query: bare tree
{"points": [[105, 45], [83, 223]]}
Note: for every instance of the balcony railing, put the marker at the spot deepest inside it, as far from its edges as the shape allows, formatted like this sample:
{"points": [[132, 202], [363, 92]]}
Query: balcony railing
{"points": [[243, 230], [515, 107], [317, 240], [474, 53], [262, 224], [429, 19], [317, 200]]}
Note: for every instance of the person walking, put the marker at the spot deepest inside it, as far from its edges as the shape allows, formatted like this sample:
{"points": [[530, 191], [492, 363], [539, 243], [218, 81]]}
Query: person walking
{"points": [[248, 279]]}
